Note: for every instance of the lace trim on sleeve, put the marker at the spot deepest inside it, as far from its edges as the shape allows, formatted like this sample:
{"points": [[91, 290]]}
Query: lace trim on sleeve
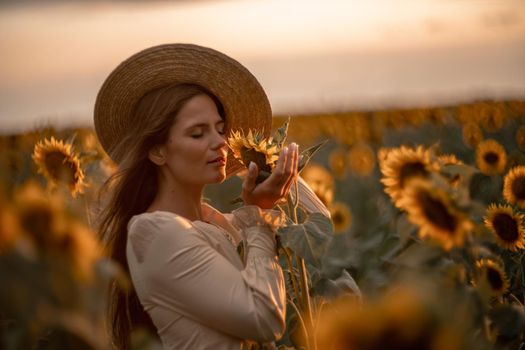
{"points": [[252, 215]]}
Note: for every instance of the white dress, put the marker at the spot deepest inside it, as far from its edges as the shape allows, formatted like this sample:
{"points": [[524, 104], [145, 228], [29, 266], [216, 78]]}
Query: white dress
{"points": [[193, 283]]}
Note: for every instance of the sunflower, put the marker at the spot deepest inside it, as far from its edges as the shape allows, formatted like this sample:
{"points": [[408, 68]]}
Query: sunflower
{"points": [[337, 161], [79, 246], [434, 211], [520, 137], [340, 129], [438, 115], [465, 114], [395, 119], [382, 155], [40, 216], [59, 164], [320, 180], [53, 231], [491, 275], [417, 117], [514, 186], [341, 216], [361, 159], [253, 148], [448, 159], [399, 319], [358, 125], [472, 134], [378, 125], [506, 226], [491, 157], [400, 165], [493, 117]]}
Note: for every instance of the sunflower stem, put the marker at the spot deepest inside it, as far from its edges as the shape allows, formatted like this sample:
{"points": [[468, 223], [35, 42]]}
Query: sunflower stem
{"points": [[486, 330], [305, 295], [293, 278], [296, 201], [303, 274], [292, 209], [303, 324]]}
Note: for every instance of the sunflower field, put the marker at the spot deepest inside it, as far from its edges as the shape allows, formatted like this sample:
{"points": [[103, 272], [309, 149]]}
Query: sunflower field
{"points": [[424, 248]]}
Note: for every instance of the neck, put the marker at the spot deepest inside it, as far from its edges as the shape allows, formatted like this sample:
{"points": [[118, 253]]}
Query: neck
{"points": [[180, 198]]}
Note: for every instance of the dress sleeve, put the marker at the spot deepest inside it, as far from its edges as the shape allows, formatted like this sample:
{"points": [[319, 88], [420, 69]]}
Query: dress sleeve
{"points": [[308, 200], [180, 270]]}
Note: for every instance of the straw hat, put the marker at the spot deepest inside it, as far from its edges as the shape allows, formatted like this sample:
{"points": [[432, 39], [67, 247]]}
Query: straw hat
{"points": [[245, 102]]}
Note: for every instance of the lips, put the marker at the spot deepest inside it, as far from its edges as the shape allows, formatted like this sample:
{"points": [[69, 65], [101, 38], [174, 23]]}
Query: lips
{"points": [[219, 160]]}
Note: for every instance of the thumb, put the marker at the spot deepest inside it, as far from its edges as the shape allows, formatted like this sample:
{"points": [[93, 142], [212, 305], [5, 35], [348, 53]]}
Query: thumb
{"points": [[249, 181]]}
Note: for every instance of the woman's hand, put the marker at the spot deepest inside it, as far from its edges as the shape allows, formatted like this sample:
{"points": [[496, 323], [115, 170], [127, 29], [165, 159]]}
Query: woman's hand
{"points": [[276, 186]]}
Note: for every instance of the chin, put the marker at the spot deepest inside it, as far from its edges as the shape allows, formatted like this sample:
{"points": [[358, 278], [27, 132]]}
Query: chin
{"points": [[219, 178], [222, 178]]}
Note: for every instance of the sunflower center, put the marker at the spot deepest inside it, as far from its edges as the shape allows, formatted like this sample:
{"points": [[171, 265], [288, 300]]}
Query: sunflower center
{"points": [[506, 227], [518, 187], [494, 278], [250, 155], [437, 213], [338, 218], [410, 170], [491, 157], [59, 168]]}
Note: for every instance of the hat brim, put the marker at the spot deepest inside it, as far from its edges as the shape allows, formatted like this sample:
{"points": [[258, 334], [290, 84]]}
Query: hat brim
{"points": [[245, 103]]}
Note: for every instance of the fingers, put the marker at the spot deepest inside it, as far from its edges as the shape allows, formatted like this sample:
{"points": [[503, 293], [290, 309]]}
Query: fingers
{"points": [[279, 176], [285, 169], [294, 164], [270, 191], [249, 182]]}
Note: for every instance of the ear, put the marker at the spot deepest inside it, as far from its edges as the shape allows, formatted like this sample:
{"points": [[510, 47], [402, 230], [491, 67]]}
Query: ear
{"points": [[157, 155]]}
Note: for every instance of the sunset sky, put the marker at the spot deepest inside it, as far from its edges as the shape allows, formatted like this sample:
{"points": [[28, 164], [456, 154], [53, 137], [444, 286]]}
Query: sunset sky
{"points": [[310, 56]]}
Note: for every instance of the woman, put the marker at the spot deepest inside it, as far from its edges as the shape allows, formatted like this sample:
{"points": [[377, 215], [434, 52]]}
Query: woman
{"points": [[163, 115]]}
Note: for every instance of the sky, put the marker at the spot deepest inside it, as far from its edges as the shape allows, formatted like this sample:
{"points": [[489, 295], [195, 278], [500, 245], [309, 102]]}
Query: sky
{"points": [[310, 56]]}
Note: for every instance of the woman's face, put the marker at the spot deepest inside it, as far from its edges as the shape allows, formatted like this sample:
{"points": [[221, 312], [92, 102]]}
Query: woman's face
{"points": [[195, 152]]}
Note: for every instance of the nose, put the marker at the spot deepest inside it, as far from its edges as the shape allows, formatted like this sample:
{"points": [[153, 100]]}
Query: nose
{"points": [[219, 141]]}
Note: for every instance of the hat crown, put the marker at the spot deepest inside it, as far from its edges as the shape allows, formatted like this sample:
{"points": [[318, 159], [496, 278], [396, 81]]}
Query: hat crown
{"points": [[245, 103]]}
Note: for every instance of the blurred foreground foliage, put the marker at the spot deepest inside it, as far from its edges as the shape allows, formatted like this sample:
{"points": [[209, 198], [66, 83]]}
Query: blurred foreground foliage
{"points": [[425, 249]]}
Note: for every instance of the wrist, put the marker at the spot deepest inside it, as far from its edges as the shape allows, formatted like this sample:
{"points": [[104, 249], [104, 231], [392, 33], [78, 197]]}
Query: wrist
{"points": [[260, 204], [263, 204]]}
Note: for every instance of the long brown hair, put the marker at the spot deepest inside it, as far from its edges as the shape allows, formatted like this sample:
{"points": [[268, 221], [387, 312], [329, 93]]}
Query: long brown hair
{"points": [[131, 191]]}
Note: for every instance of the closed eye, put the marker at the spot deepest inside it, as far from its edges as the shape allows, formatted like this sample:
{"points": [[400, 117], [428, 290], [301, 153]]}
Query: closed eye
{"points": [[197, 136], [199, 130]]}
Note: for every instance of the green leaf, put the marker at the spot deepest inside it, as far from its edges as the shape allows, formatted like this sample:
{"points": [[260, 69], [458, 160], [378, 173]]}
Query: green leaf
{"points": [[464, 172], [485, 188], [281, 133], [344, 284], [308, 153], [508, 321], [71, 139], [310, 239], [417, 255]]}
